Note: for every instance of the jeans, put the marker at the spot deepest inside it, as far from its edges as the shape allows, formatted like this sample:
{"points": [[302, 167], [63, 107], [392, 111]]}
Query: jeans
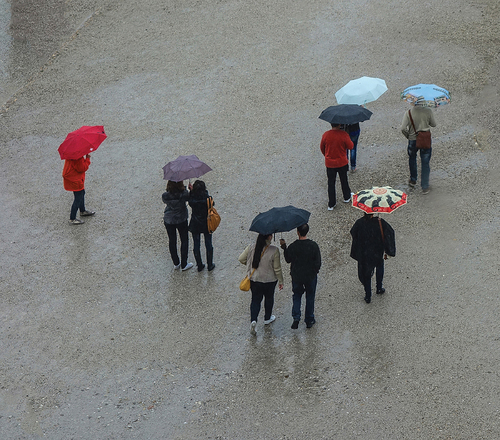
{"points": [[425, 158], [298, 290], [332, 177], [78, 203], [365, 273], [197, 248], [354, 138], [260, 291], [172, 242]]}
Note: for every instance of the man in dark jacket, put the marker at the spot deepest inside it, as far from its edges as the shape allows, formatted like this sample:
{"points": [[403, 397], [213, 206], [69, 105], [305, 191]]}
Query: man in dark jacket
{"points": [[372, 240], [305, 259]]}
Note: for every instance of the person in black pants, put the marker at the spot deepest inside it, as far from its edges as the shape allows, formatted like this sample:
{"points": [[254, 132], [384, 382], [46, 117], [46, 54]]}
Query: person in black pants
{"points": [[175, 220], [198, 225], [304, 257], [372, 240]]}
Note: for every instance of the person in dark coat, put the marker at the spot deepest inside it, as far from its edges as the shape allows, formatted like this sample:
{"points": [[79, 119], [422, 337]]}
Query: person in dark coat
{"points": [[175, 219], [372, 240], [304, 257], [198, 225]]}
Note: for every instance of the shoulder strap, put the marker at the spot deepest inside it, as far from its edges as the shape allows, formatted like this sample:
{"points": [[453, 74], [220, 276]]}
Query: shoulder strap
{"points": [[412, 123], [210, 202], [381, 230]]}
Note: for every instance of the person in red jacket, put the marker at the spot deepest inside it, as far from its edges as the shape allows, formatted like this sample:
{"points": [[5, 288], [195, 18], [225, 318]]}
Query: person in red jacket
{"points": [[334, 146], [74, 180]]}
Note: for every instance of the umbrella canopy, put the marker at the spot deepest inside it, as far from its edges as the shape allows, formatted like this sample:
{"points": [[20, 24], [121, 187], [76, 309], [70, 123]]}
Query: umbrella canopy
{"points": [[360, 91], [379, 199], [185, 167], [345, 114], [426, 95], [279, 220], [81, 142]]}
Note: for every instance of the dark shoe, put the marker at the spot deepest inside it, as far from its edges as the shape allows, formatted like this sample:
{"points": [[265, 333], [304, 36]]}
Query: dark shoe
{"points": [[425, 191], [310, 324], [368, 300], [412, 183], [295, 325], [201, 267], [380, 291], [211, 267], [86, 213]]}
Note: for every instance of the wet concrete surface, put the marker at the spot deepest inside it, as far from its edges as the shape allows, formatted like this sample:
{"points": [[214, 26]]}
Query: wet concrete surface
{"points": [[101, 338]]}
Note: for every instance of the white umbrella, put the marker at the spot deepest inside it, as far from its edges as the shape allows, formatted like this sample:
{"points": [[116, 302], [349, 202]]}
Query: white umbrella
{"points": [[360, 91]]}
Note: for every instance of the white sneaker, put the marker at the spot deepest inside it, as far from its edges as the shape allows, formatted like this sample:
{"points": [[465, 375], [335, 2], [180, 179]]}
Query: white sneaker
{"points": [[252, 328], [177, 267], [330, 208], [349, 199], [271, 319], [187, 267]]}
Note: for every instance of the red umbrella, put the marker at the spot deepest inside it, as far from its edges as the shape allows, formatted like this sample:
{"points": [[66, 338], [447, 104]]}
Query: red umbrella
{"points": [[81, 142]]}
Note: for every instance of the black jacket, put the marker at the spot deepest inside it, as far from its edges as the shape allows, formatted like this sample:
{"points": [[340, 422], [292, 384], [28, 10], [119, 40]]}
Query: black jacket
{"points": [[305, 259], [199, 213], [367, 245]]}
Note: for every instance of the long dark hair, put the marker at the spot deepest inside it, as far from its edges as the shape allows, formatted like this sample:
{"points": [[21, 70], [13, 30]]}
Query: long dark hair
{"points": [[199, 188], [259, 247], [175, 187]]}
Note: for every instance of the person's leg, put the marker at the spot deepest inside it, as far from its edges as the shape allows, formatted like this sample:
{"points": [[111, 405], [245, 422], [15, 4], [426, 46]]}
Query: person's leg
{"points": [[379, 277], [257, 295], [197, 250], [412, 161], [172, 243], [81, 207], [310, 295], [298, 291], [210, 251], [183, 232], [354, 138], [332, 177], [425, 158], [77, 201], [346, 190], [365, 273], [268, 299]]}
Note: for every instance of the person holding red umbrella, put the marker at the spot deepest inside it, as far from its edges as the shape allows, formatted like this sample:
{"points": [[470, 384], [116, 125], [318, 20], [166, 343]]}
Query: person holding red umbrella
{"points": [[75, 151], [74, 180]]}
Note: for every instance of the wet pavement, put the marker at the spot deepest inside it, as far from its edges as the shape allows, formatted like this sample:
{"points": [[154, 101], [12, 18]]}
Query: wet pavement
{"points": [[101, 338]]}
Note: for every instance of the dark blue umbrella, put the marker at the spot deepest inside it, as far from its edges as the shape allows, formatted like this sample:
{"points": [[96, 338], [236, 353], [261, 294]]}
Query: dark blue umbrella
{"points": [[345, 114], [279, 220]]}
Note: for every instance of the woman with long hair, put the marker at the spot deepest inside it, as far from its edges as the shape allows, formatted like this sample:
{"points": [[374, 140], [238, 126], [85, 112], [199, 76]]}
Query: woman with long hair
{"points": [[175, 220], [198, 225], [264, 270]]}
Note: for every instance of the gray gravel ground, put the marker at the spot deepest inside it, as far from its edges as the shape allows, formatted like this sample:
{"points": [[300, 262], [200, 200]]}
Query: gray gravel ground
{"points": [[102, 339]]}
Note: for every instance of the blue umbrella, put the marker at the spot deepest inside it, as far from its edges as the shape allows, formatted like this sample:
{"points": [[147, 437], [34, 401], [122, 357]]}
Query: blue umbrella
{"points": [[279, 220], [426, 95], [360, 91]]}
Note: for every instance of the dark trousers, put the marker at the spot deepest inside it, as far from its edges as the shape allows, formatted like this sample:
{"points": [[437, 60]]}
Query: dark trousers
{"points": [[172, 242], [78, 203], [208, 247], [365, 273], [332, 177], [298, 290], [260, 291]]}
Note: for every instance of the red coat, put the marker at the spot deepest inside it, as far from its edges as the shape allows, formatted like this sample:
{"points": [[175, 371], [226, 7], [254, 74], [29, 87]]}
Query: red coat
{"points": [[74, 173], [334, 146]]}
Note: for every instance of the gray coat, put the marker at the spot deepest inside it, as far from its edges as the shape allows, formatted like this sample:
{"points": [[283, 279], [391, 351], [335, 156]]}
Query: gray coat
{"points": [[176, 210]]}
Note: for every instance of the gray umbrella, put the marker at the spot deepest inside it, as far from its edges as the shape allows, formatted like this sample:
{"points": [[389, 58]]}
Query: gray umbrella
{"points": [[345, 114]]}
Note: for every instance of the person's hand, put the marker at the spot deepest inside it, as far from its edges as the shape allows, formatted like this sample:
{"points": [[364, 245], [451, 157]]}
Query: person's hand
{"points": [[282, 243], [190, 187], [280, 286], [88, 156]]}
